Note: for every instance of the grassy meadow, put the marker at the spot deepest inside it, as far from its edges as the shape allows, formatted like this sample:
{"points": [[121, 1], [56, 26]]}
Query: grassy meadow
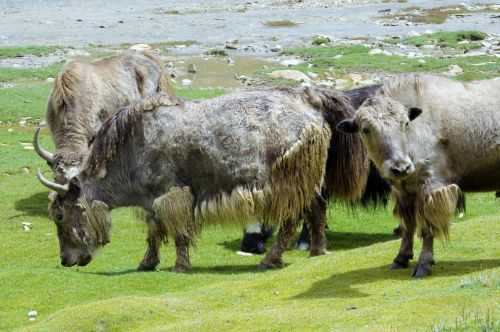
{"points": [[351, 289]]}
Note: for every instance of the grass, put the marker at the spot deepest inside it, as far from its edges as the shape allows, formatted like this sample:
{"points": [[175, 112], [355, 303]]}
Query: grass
{"points": [[350, 289], [24, 100], [9, 74], [450, 39], [356, 58], [280, 24], [16, 51]]}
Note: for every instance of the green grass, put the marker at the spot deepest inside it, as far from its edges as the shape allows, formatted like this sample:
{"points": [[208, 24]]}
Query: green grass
{"points": [[24, 100], [350, 289], [15, 51], [9, 74], [449, 39], [356, 58], [193, 93]]}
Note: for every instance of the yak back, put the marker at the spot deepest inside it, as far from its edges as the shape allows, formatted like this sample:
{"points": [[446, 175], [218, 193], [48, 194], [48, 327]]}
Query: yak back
{"points": [[85, 94]]}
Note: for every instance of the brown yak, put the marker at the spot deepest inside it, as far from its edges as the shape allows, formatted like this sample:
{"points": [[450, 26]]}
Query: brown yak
{"points": [[85, 95]]}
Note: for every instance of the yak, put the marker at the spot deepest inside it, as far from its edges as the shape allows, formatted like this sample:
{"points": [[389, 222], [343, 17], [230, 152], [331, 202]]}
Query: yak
{"points": [[374, 193], [228, 159], [83, 97], [432, 139]]}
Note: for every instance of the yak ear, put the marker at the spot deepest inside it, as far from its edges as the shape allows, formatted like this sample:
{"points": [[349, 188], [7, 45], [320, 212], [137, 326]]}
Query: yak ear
{"points": [[347, 126], [414, 112]]}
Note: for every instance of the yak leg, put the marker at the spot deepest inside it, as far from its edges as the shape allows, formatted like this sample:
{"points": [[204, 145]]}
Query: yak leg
{"points": [[316, 216], [182, 262], [426, 258], [304, 241], [273, 258], [152, 256], [406, 249]]}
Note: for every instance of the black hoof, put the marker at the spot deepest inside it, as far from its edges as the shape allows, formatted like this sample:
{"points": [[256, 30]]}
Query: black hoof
{"points": [[399, 265], [421, 271], [270, 265], [181, 269], [145, 267], [397, 231]]}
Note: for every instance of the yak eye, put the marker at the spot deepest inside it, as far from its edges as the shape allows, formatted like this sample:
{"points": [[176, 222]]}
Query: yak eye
{"points": [[59, 217], [366, 130]]}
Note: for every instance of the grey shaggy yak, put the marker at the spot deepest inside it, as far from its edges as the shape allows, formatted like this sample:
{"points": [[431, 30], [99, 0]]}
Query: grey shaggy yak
{"points": [[228, 159], [86, 94], [433, 139]]}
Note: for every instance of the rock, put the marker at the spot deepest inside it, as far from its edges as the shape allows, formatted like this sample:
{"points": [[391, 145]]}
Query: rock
{"points": [[32, 314], [454, 70], [232, 44], [293, 75], [27, 227], [277, 48], [242, 253], [422, 61], [291, 62], [141, 47], [192, 68], [375, 51], [342, 84], [186, 82], [312, 75], [50, 80], [338, 56]]}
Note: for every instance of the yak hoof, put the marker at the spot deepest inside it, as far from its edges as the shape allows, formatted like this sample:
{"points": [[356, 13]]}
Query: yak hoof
{"points": [[275, 264], [398, 265], [148, 266], [397, 231], [317, 252], [181, 268], [422, 270]]}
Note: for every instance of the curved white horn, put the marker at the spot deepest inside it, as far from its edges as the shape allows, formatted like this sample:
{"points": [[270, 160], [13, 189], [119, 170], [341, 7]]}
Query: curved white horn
{"points": [[46, 155], [60, 188]]}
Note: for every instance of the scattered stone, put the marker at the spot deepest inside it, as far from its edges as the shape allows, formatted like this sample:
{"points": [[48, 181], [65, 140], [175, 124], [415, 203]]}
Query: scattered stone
{"points": [[192, 68], [27, 227], [186, 82], [454, 70], [312, 75], [277, 48], [293, 75], [4, 85], [342, 84], [50, 80], [32, 314], [242, 253], [141, 47], [291, 62], [232, 44], [375, 51]]}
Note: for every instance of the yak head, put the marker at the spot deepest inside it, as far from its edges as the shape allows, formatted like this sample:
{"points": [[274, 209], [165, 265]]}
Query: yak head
{"points": [[384, 125], [82, 225], [65, 163]]}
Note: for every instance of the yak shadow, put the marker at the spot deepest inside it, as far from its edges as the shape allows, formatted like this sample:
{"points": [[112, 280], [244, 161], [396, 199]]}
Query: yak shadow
{"points": [[221, 269], [32, 206], [335, 240], [343, 285]]}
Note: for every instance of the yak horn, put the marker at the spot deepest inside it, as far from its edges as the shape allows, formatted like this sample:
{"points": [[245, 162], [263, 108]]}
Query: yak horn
{"points": [[46, 155], [59, 188]]}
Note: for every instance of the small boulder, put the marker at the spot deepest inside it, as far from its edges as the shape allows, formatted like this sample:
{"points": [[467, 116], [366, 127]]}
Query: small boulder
{"points": [[293, 75]]}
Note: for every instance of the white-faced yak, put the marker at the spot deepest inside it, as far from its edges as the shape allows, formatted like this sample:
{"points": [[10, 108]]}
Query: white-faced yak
{"points": [[432, 138]]}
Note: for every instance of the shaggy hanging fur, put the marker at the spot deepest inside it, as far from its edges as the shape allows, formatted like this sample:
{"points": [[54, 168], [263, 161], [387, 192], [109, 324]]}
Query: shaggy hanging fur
{"points": [[99, 221], [347, 166], [435, 210], [298, 175]]}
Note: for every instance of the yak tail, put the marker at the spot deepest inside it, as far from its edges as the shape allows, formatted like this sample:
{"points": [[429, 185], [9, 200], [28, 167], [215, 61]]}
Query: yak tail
{"points": [[298, 175], [347, 165]]}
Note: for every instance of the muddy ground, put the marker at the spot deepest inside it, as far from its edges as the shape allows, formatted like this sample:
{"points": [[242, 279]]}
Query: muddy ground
{"points": [[210, 23]]}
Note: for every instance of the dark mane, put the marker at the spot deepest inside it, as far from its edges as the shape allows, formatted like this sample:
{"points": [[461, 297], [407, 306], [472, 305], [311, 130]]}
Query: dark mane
{"points": [[349, 176], [113, 135]]}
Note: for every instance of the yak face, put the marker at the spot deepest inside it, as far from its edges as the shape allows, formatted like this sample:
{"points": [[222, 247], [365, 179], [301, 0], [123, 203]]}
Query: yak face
{"points": [[66, 165], [384, 125], [81, 227]]}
